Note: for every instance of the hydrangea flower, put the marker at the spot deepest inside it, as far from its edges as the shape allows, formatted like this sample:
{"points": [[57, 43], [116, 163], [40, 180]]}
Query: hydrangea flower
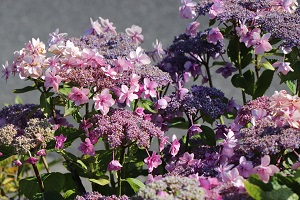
{"points": [[265, 170], [79, 96]]}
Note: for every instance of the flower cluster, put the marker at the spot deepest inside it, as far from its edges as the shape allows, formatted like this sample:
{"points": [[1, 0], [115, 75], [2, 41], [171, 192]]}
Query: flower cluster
{"points": [[172, 187], [98, 196], [122, 127]]}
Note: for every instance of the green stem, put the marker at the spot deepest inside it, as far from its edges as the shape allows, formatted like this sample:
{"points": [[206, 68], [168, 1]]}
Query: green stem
{"points": [[38, 177], [257, 67], [122, 156], [239, 62], [45, 164], [206, 64], [188, 135]]}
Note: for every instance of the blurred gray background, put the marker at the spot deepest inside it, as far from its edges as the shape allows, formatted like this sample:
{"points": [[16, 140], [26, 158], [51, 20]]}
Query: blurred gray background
{"points": [[21, 20]]}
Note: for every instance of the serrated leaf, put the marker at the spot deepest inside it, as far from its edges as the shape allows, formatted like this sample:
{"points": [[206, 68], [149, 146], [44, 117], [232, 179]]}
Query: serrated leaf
{"points": [[65, 90], [263, 83], [135, 184], [103, 180], [208, 135], [7, 151], [246, 82], [283, 193], [25, 89], [292, 86], [45, 103]]}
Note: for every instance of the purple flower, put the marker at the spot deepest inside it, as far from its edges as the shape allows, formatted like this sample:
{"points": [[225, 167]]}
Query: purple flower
{"points": [[227, 70], [60, 141], [245, 167], [114, 165], [87, 147], [191, 28], [17, 163], [283, 67], [261, 44], [194, 129], [175, 146]]}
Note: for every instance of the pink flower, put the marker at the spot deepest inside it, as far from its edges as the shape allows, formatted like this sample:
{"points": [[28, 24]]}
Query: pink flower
{"points": [[188, 10], [162, 142], [187, 159], [158, 48], [121, 65], [161, 104], [175, 146], [150, 88], [96, 27], [6, 71], [79, 96], [114, 165], [1, 154], [153, 161], [139, 111], [214, 35], [216, 8], [41, 152], [87, 147], [52, 80], [60, 141], [107, 26], [262, 44], [127, 95], [192, 28], [283, 67], [135, 33], [265, 170], [139, 57], [104, 101], [31, 160]]}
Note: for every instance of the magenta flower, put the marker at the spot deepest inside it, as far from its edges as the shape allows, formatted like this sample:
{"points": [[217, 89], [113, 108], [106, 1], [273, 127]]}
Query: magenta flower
{"points": [[187, 159], [265, 170], [135, 32], [41, 152], [114, 165], [153, 161], [1, 154], [150, 88], [79, 96], [283, 67], [87, 147], [163, 141], [127, 95], [139, 111], [60, 140], [214, 36], [192, 28], [175, 146], [104, 101], [17, 163], [31, 160], [262, 44]]}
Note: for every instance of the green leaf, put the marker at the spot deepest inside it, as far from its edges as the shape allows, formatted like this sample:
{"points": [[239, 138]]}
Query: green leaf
{"points": [[45, 103], [246, 60], [103, 180], [263, 83], [146, 104], [7, 151], [29, 187], [254, 179], [65, 90], [179, 122], [18, 100], [291, 85], [135, 184], [70, 108], [48, 195], [53, 181], [254, 191], [69, 194], [292, 76], [246, 82], [208, 135], [25, 89], [283, 193], [267, 65]]}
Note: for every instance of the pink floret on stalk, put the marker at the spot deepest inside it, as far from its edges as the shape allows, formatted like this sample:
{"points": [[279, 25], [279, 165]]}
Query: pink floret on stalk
{"points": [[79, 96], [265, 170], [153, 161], [103, 101]]}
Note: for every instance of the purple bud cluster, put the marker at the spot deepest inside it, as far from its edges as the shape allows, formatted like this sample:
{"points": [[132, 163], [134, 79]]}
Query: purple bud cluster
{"points": [[122, 127], [19, 114], [189, 48], [208, 101]]}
